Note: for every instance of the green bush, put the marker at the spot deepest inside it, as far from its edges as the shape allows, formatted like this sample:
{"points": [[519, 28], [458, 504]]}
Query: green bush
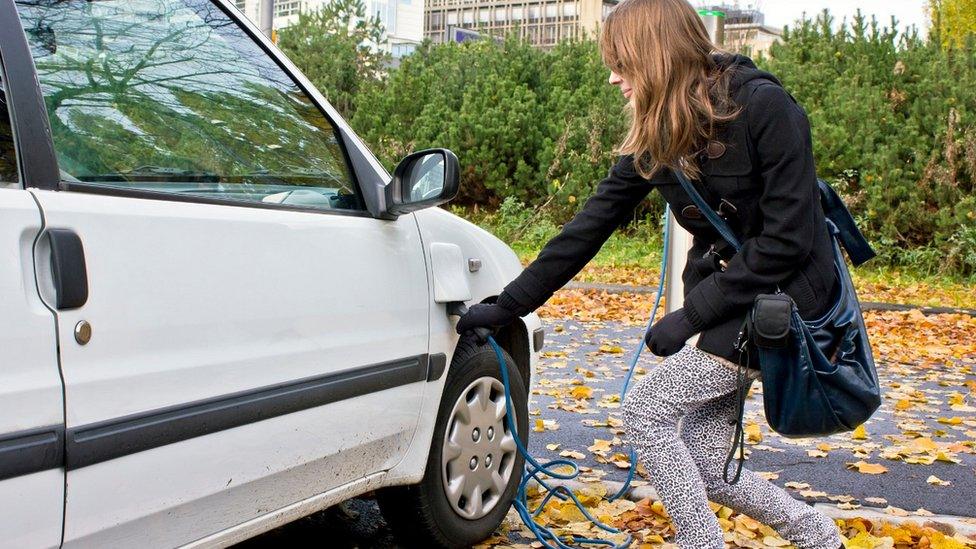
{"points": [[894, 124], [893, 118]]}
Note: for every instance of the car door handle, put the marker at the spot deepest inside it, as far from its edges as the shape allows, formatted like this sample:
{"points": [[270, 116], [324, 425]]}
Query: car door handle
{"points": [[68, 269]]}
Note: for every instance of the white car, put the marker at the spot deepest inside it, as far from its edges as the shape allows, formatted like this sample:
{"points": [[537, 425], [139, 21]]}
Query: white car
{"points": [[220, 313]]}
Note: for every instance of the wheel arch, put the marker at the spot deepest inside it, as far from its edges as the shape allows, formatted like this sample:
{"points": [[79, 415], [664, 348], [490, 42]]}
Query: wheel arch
{"points": [[514, 338]]}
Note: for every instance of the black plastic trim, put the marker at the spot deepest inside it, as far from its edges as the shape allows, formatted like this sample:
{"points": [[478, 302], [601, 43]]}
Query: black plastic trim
{"points": [[102, 441], [32, 130], [106, 190], [436, 365], [31, 451], [68, 268], [538, 339]]}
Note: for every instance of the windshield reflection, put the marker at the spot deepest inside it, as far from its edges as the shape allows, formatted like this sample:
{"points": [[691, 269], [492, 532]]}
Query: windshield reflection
{"points": [[170, 91]]}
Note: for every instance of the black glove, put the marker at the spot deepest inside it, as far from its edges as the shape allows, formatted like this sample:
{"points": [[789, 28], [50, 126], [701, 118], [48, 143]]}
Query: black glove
{"points": [[669, 334], [483, 315], [490, 317]]}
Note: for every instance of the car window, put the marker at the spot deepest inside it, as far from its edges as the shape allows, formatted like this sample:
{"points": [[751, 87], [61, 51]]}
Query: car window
{"points": [[173, 96], [8, 157]]}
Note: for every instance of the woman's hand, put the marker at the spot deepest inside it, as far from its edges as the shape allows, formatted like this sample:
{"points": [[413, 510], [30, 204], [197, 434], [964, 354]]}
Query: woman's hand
{"points": [[669, 334], [483, 315]]}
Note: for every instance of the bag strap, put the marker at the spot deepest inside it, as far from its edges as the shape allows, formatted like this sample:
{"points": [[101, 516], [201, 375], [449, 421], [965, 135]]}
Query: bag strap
{"points": [[858, 248], [742, 381], [720, 225], [742, 384]]}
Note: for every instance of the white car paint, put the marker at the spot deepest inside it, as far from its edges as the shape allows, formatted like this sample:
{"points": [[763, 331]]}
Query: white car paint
{"points": [[30, 387], [447, 265], [499, 266], [194, 301], [190, 301]]}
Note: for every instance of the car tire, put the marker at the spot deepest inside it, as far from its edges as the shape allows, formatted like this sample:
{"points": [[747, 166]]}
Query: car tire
{"points": [[425, 515]]}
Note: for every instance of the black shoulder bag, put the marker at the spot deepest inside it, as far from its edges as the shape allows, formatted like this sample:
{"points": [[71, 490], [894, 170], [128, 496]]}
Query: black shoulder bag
{"points": [[818, 375]]}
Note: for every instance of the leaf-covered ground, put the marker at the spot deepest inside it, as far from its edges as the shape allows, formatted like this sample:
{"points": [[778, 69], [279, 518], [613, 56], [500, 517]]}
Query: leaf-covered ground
{"points": [[872, 285], [916, 457]]}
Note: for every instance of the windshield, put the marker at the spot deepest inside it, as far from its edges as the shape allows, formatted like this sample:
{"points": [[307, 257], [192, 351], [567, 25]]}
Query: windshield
{"points": [[173, 96]]}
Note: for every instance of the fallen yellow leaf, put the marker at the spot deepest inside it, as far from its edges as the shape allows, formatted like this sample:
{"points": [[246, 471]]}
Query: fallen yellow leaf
{"points": [[581, 392], [868, 468], [753, 433], [611, 349]]}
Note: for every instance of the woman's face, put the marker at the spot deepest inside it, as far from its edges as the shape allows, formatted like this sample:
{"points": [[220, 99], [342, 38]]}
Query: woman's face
{"points": [[620, 82]]}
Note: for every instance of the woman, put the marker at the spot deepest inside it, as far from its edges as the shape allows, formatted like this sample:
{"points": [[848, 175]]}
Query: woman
{"points": [[742, 138]]}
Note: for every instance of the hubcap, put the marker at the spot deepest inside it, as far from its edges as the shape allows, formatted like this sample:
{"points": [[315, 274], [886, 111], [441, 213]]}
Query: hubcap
{"points": [[478, 456]]}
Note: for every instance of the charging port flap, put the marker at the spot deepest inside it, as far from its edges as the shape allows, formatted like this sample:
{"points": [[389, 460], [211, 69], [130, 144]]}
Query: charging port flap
{"points": [[450, 273]]}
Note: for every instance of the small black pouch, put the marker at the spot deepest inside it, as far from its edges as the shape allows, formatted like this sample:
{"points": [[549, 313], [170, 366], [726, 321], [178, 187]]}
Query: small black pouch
{"points": [[771, 317]]}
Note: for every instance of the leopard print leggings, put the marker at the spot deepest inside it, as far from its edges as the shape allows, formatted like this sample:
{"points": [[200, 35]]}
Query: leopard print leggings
{"points": [[685, 463]]}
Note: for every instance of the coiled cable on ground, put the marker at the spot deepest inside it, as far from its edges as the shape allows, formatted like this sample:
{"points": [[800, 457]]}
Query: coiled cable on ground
{"points": [[534, 470]]}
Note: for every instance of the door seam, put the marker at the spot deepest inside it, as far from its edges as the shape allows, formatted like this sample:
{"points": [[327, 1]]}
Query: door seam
{"points": [[57, 347]]}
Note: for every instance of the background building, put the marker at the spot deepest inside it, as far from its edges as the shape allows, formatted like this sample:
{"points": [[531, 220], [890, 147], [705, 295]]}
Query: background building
{"points": [[746, 31], [542, 22], [403, 19]]}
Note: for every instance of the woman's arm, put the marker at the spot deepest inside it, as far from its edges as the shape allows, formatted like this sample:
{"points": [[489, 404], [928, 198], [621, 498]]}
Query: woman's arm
{"points": [[789, 200], [567, 253]]}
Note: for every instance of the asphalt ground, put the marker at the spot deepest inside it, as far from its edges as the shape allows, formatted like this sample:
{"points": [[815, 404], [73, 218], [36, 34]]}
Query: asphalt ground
{"points": [[595, 356], [903, 485]]}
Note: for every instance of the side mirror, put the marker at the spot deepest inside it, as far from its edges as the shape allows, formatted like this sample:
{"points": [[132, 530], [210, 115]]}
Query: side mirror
{"points": [[422, 180]]}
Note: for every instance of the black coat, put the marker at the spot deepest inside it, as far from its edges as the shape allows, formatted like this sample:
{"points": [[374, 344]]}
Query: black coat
{"points": [[761, 165]]}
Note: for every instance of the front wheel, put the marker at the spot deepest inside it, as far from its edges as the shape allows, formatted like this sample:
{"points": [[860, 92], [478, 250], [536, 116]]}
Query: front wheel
{"points": [[474, 466]]}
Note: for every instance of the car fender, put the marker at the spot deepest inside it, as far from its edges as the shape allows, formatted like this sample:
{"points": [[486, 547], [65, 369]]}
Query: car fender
{"points": [[488, 264]]}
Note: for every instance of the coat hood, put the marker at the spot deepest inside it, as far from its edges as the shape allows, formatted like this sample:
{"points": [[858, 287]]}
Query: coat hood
{"points": [[744, 71]]}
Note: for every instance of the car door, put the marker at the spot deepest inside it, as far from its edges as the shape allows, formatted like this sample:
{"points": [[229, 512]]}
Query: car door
{"points": [[31, 405], [237, 332]]}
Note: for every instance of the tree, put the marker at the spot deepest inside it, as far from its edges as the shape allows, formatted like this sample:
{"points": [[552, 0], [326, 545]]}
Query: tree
{"points": [[336, 49], [478, 98], [893, 127], [953, 20]]}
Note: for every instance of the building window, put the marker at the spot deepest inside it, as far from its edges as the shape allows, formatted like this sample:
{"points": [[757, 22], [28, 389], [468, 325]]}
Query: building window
{"points": [[286, 8], [452, 18], [468, 17], [517, 13], [500, 14], [552, 10], [569, 9], [533, 12], [401, 50], [484, 15]]}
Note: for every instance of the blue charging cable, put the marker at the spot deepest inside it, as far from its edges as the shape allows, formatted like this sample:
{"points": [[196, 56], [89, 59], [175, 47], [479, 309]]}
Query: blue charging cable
{"points": [[534, 469]]}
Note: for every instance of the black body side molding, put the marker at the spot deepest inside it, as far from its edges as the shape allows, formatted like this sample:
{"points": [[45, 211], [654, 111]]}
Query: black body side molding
{"points": [[436, 366], [27, 452], [102, 441]]}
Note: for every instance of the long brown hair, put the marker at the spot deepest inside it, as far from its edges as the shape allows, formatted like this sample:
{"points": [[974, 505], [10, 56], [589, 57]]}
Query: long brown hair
{"points": [[680, 96]]}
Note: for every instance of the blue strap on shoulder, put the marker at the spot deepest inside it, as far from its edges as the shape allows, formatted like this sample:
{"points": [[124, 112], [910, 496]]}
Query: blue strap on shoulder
{"points": [[720, 225], [850, 237], [858, 248]]}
